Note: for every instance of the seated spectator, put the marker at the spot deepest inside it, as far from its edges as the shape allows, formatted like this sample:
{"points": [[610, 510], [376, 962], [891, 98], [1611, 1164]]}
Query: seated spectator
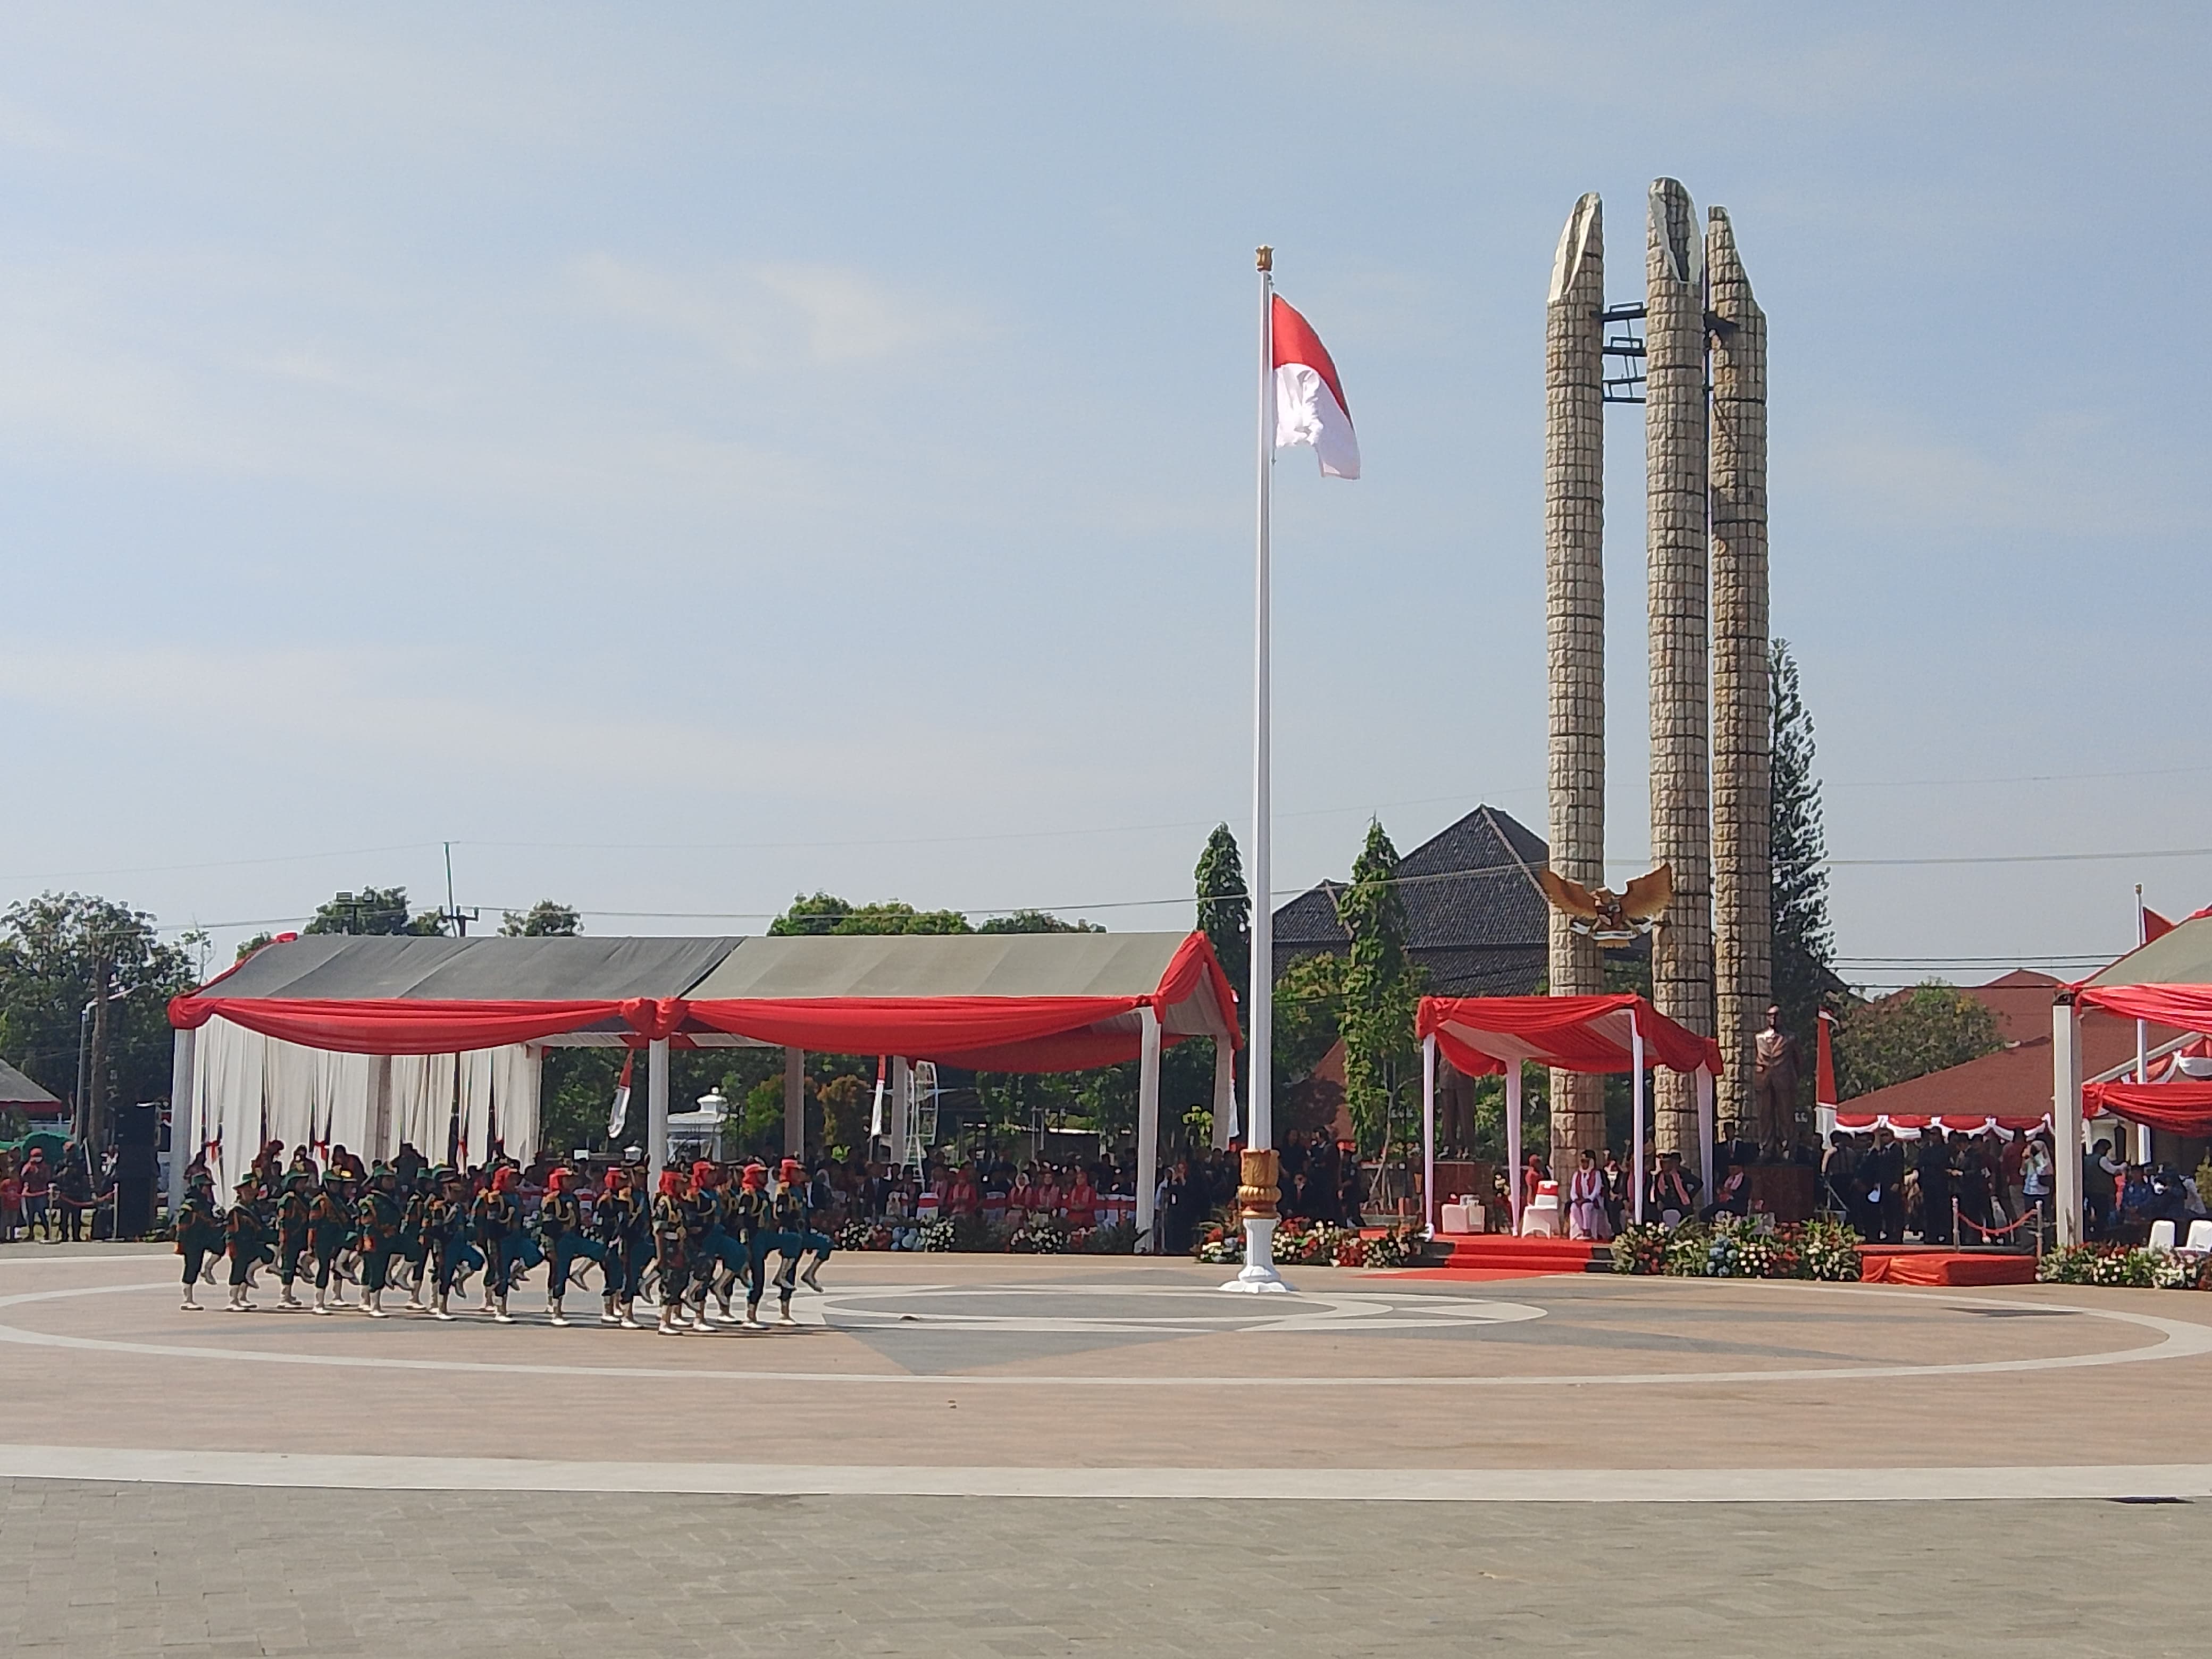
{"points": [[1732, 1196]]}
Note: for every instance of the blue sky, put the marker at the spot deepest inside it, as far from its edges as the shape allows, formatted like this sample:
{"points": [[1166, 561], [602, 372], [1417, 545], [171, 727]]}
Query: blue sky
{"points": [[687, 455]]}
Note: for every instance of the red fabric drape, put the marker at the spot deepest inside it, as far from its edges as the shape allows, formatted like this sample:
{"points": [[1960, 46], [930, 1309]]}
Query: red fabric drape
{"points": [[1565, 1031], [2181, 1109], [2184, 1007], [401, 1025]]}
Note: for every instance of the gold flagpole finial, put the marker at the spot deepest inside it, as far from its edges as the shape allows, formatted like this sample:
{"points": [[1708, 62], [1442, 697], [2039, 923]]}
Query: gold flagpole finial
{"points": [[1266, 257]]}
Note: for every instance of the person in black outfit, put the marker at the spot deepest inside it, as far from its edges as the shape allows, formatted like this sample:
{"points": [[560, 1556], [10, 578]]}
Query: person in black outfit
{"points": [[1934, 1166], [1881, 1178]]}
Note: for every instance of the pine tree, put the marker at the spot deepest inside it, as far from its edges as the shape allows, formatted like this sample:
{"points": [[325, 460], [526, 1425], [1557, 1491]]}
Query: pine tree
{"points": [[1380, 989], [1225, 906], [1803, 941]]}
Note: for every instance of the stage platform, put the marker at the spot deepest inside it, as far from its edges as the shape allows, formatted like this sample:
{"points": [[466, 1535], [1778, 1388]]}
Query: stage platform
{"points": [[1501, 1255], [1931, 1264]]}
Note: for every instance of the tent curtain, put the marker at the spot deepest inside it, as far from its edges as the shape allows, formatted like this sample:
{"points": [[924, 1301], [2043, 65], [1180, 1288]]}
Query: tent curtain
{"points": [[2184, 1007], [1575, 1034], [402, 1025], [2180, 1109]]}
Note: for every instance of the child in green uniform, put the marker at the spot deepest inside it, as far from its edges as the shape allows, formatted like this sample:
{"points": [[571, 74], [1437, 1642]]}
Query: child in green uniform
{"points": [[327, 1225], [242, 1241], [199, 1236], [380, 1215], [291, 1234]]}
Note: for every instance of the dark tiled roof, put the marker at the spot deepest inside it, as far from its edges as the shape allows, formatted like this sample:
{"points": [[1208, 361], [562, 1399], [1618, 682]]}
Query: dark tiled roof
{"points": [[1474, 916]]}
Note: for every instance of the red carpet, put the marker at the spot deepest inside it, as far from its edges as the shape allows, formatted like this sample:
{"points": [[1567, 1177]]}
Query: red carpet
{"points": [[1501, 1255], [1920, 1264]]}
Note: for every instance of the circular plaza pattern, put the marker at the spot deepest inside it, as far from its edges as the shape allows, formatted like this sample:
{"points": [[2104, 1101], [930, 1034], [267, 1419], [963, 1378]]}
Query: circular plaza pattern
{"points": [[1074, 1376]]}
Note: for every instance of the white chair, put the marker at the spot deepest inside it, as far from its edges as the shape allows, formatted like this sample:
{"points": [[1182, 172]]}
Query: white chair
{"points": [[2161, 1235], [2200, 1235], [1541, 1217]]}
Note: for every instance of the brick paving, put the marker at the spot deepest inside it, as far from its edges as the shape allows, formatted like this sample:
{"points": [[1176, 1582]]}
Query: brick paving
{"points": [[89, 1568]]}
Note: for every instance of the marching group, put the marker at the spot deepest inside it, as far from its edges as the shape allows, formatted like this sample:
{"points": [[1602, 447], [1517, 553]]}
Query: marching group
{"points": [[705, 1232]]}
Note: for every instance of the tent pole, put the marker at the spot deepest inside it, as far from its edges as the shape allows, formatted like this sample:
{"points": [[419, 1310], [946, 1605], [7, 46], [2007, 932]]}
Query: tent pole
{"points": [[2066, 1114], [1148, 1130], [1636, 1061], [1705, 1131], [1513, 1144], [184, 1051], [902, 1110], [795, 1102], [1429, 1133], [656, 1110]]}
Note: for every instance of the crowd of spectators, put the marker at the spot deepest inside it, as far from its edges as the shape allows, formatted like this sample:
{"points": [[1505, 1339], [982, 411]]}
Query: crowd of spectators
{"points": [[57, 1200]]}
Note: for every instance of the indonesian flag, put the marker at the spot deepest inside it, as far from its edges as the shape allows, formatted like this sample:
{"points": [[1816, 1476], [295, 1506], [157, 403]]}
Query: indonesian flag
{"points": [[1310, 406], [620, 1113]]}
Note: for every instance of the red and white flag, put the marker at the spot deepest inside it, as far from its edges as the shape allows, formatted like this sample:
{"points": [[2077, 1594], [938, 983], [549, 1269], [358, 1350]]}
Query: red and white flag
{"points": [[620, 1112], [1310, 406]]}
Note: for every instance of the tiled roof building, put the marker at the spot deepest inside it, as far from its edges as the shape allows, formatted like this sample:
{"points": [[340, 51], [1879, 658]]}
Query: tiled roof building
{"points": [[1474, 915]]}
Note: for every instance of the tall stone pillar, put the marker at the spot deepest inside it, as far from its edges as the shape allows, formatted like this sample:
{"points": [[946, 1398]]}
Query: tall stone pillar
{"points": [[1574, 610], [1675, 543], [1743, 871]]}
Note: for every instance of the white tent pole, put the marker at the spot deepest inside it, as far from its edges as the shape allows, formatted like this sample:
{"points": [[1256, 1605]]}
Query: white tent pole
{"points": [[1148, 1129], [656, 1109], [901, 1109], [1636, 1061], [183, 1143], [1225, 1093], [1513, 1142], [795, 1102], [1429, 1132], [2066, 1114], [1706, 1131]]}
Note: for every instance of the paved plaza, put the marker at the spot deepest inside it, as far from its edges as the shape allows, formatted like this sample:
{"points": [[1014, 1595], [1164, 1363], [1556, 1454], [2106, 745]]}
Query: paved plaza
{"points": [[1039, 1456]]}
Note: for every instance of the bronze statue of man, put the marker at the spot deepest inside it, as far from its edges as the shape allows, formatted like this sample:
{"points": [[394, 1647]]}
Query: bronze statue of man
{"points": [[1774, 1081]]}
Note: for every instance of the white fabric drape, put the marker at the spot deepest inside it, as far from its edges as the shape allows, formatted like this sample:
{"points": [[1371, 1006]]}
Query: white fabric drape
{"points": [[422, 1102], [474, 1086], [516, 1069], [248, 1089]]}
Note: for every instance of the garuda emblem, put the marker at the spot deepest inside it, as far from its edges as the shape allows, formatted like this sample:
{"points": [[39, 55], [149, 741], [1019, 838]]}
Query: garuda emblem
{"points": [[1608, 918]]}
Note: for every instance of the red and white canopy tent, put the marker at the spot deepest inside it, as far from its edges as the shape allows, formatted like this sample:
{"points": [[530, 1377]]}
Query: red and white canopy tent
{"points": [[1484, 1036], [2166, 982], [1005, 1002]]}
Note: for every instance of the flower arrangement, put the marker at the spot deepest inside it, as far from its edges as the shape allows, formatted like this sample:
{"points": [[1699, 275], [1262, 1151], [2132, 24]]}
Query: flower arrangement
{"points": [[1689, 1251], [1039, 1236], [1398, 1247], [864, 1235], [1114, 1238], [2098, 1264], [1640, 1247], [1221, 1244], [1828, 1251], [939, 1236]]}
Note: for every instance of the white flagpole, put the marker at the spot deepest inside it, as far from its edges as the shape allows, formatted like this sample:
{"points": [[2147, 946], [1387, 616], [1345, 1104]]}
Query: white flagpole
{"points": [[1259, 1270], [2142, 1027]]}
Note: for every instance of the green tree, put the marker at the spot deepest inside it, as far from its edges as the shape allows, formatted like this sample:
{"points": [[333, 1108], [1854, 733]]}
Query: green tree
{"points": [[1382, 988], [826, 913], [1024, 921], [1225, 906], [61, 954], [373, 910], [1804, 944], [1908, 1035], [545, 920]]}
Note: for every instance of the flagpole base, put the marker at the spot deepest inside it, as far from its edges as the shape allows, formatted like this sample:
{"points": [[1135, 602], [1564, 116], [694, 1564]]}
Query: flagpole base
{"points": [[1259, 1277]]}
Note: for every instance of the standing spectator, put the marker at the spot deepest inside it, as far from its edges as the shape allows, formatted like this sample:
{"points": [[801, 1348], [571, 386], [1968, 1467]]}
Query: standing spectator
{"points": [[1882, 1175], [2035, 1177], [11, 1199], [2098, 1188], [38, 1191], [1933, 1166]]}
